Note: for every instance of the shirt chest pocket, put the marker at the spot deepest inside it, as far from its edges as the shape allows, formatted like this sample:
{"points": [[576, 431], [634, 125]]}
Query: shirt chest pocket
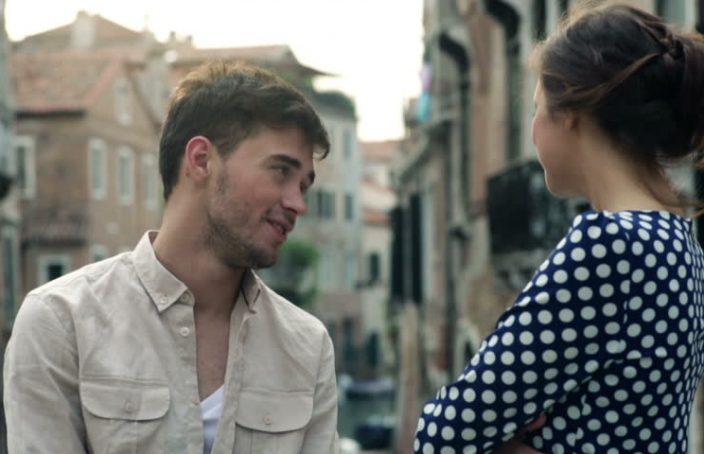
{"points": [[272, 422], [124, 416]]}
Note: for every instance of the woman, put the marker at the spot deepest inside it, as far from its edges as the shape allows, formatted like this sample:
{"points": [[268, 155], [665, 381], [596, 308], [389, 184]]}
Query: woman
{"points": [[606, 340]]}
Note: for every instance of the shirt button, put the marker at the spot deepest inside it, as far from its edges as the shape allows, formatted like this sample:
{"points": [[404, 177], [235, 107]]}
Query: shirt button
{"points": [[185, 331], [268, 420], [129, 407], [185, 298], [163, 300]]}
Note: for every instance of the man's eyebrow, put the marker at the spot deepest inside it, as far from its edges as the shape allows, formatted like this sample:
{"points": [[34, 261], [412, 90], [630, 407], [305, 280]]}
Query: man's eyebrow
{"points": [[293, 162]]}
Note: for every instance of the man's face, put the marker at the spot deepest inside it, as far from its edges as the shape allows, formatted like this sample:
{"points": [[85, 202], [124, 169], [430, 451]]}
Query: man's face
{"points": [[257, 195]]}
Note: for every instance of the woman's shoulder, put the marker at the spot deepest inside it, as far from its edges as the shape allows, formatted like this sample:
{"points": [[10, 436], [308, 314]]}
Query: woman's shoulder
{"points": [[643, 225], [607, 236]]}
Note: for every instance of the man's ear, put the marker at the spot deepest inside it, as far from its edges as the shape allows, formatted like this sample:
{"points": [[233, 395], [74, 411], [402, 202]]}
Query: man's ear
{"points": [[198, 158], [570, 121]]}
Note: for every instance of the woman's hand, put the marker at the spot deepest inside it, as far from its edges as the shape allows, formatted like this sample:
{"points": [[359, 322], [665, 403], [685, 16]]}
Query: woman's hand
{"points": [[516, 445]]}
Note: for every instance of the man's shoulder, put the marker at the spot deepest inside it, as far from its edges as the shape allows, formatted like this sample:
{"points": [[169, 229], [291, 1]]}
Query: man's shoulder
{"points": [[84, 278]]}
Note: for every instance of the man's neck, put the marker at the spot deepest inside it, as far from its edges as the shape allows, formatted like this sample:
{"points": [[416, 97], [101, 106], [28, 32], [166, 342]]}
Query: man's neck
{"points": [[215, 286]]}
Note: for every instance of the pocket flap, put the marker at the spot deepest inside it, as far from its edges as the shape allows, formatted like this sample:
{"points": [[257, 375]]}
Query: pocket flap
{"points": [[124, 399], [274, 411]]}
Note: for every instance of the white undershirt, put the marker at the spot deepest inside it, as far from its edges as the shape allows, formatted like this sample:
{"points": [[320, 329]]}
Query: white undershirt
{"points": [[211, 409]]}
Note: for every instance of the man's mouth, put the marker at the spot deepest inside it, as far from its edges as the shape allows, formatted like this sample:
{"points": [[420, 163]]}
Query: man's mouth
{"points": [[282, 227]]}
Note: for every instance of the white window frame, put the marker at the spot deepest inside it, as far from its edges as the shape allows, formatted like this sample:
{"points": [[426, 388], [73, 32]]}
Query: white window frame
{"points": [[98, 252], [123, 101], [150, 181], [125, 189], [45, 260], [29, 165], [98, 147]]}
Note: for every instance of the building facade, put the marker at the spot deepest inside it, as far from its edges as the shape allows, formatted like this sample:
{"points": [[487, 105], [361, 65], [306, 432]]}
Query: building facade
{"points": [[9, 206], [86, 144], [378, 200]]}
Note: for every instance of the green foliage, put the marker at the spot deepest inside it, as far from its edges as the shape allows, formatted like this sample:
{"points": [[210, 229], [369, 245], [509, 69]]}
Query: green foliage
{"points": [[299, 254], [293, 277]]}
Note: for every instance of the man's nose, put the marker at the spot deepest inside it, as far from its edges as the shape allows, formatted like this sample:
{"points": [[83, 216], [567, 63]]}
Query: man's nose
{"points": [[295, 201]]}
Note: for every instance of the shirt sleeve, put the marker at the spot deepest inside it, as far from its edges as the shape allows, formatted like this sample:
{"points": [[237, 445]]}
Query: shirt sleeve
{"points": [[40, 374], [321, 433], [562, 329]]}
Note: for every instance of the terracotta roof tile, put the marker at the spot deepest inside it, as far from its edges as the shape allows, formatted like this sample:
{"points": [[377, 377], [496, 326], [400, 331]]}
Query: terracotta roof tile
{"points": [[65, 81], [278, 55], [107, 34]]}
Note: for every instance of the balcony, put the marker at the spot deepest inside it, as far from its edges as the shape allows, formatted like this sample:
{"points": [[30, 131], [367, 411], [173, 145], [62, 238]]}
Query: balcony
{"points": [[525, 222], [55, 224]]}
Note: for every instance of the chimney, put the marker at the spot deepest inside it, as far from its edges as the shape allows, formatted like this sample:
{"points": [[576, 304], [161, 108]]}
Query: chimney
{"points": [[83, 31]]}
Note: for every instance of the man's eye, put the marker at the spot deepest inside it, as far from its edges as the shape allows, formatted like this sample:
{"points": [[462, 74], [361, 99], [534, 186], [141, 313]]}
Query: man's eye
{"points": [[282, 170]]}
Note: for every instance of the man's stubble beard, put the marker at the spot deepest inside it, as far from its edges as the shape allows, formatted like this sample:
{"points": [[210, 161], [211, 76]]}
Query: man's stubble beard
{"points": [[225, 239]]}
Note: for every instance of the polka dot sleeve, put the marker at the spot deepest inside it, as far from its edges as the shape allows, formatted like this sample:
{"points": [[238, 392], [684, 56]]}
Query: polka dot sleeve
{"points": [[562, 328]]}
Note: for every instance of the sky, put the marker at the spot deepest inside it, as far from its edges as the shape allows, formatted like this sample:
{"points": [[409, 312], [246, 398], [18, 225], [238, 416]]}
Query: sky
{"points": [[374, 47]]}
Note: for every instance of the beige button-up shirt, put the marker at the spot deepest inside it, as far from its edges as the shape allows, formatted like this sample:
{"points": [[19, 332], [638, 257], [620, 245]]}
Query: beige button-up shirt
{"points": [[103, 360]]}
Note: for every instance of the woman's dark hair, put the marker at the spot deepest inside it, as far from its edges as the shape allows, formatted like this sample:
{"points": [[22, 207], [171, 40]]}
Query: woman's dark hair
{"points": [[228, 103], [642, 82]]}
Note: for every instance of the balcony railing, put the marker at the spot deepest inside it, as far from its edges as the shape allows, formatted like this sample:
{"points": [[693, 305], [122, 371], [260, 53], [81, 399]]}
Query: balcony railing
{"points": [[61, 223]]}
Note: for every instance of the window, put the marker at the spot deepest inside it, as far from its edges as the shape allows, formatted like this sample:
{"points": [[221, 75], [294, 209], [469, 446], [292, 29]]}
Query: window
{"points": [[374, 268], [10, 258], [328, 205], [52, 267], [327, 271], [324, 204], [123, 102], [321, 204], [149, 179], [351, 271], [671, 11], [349, 207], [6, 150], [333, 139], [26, 166], [125, 175], [348, 143], [349, 348], [97, 162], [98, 252], [539, 20]]}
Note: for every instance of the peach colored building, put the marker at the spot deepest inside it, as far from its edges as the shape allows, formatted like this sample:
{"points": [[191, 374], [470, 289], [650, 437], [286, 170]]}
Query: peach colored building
{"points": [[86, 143]]}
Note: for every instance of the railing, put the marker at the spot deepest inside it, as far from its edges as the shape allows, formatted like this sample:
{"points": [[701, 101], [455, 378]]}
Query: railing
{"points": [[59, 223]]}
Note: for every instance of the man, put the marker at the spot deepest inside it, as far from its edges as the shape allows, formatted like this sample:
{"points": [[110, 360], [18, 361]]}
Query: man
{"points": [[178, 346]]}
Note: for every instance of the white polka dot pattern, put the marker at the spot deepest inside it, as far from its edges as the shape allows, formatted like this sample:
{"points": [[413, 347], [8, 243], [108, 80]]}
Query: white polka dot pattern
{"points": [[605, 339]]}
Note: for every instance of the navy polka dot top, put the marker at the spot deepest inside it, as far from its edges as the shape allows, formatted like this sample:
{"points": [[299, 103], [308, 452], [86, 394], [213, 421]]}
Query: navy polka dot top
{"points": [[606, 340]]}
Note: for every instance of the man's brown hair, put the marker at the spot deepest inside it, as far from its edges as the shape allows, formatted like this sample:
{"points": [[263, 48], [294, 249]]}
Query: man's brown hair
{"points": [[227, 103]]}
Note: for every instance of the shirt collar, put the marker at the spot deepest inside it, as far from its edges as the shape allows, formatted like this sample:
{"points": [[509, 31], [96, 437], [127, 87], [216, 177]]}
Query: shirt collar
{"points": [[250, 289], [165, 289]]}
